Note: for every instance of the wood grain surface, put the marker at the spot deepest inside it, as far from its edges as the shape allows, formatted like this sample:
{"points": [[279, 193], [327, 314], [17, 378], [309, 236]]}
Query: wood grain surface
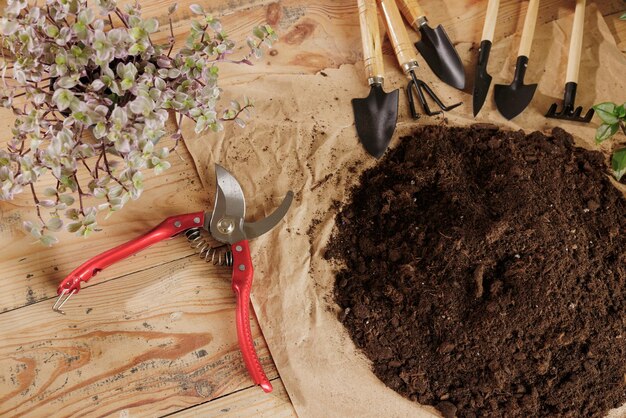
{"points": [[154, 335]]}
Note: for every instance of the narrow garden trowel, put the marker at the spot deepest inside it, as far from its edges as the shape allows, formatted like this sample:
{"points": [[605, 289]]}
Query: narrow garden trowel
{"points": [[482, 79], [435, 46], [376, 115], [511, 100]]}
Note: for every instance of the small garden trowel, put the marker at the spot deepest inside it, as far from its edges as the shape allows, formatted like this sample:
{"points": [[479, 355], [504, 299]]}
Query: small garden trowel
{"points": [[376, 115], [482, 79], [511, 100], [434, 46]]}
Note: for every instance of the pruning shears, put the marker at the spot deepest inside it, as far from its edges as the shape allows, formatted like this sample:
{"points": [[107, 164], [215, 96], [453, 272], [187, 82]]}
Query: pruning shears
{"points": [[225, 224]]}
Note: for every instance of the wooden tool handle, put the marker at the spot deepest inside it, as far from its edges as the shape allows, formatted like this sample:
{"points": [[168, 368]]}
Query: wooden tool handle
{"points": [[372, 41], [402, 46], [411, 10], [576, 43], [490, 20], [529, 28]]}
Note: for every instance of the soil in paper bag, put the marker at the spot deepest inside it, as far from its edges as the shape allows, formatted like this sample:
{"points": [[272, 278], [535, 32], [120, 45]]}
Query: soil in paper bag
{"points": [[485, 274]]}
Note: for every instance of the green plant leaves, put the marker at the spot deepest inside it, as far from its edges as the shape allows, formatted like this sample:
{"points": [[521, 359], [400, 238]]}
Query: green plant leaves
{"points": [[196, 9], [618, 163], [612, 117], [606, 112], [78, 73], [605, 131]]}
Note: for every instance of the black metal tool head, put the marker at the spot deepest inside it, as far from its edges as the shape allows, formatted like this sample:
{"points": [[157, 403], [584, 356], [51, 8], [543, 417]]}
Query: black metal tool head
{"points": [[439, 53], [569, 112], [482, 79], [375, 117], [511, 100], [421, 87]]}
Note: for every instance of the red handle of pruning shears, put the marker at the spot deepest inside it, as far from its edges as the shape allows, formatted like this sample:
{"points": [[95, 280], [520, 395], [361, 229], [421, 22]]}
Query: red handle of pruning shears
{"points": [[242, 284], [166, 229]]}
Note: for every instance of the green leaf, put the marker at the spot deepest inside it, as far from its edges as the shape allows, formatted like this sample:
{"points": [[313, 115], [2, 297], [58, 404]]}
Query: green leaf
{"points": [[258, 32], [28, 226], [240, 122], [138, 180], [35, 232], [151, 25], [606, 112], [618, 163], [161, 167], [620, 111], [72, 214], [623, 17], [52, 31], [49, 191], [66, 82], [67, 199], [63, 98], [48, 240], [196, 9], [54, 224], [136, 49], [605, 131], [74, 226]]}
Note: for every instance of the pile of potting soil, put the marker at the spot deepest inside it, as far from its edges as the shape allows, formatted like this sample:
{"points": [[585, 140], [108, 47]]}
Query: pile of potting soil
{"points": [[485, 274]]}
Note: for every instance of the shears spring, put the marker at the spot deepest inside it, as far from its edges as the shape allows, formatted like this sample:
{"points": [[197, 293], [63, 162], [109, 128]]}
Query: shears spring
{"points": [[218, 256]]}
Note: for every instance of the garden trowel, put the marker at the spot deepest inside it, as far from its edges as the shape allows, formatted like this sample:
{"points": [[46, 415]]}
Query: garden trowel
{"points": [[482, 79], [511, 100], [376, 115], [434, 46]]}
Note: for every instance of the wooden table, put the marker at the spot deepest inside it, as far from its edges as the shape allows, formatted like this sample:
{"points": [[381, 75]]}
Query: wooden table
{"points": [[154, 335]]}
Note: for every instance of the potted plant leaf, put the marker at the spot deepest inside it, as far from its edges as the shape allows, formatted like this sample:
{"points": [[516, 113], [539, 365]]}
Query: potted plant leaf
{"points": [[613, 118], [92, 93]]}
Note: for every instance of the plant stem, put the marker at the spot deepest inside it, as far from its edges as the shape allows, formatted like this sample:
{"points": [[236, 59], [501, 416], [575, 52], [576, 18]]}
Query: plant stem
{"points": [[236, 114], [172, 37], [36, 200], [108, 169], [119, 14], [80, 195]]}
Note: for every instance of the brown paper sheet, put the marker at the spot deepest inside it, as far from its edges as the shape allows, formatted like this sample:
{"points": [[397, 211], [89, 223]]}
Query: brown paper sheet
{"points": [[302, 138]]}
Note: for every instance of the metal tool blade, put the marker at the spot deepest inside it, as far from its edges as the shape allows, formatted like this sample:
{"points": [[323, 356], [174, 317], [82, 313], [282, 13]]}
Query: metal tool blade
{"points": [[511, 100], [482, 79], [375, 118], [230, 208], [258, 228], [441, 56]]}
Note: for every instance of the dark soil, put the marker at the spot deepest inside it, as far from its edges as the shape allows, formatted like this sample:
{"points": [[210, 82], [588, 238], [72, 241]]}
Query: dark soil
{"points": [[485, 274]]}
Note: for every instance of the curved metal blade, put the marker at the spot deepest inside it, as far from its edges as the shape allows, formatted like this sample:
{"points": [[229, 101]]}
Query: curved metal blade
{"points": [[255, 229], [482, 79], [375, 118], [511, 100], [229, 209], [440, 55]]}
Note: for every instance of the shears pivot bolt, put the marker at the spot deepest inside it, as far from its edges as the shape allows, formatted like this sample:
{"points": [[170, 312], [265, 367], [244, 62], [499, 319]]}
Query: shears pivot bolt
{"points": [[226, 225]]}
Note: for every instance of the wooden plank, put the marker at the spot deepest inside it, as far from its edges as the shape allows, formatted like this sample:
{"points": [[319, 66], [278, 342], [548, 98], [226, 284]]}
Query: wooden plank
{"points": [[325, 34], [149, 343], [246, 403], [30, 272]]}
